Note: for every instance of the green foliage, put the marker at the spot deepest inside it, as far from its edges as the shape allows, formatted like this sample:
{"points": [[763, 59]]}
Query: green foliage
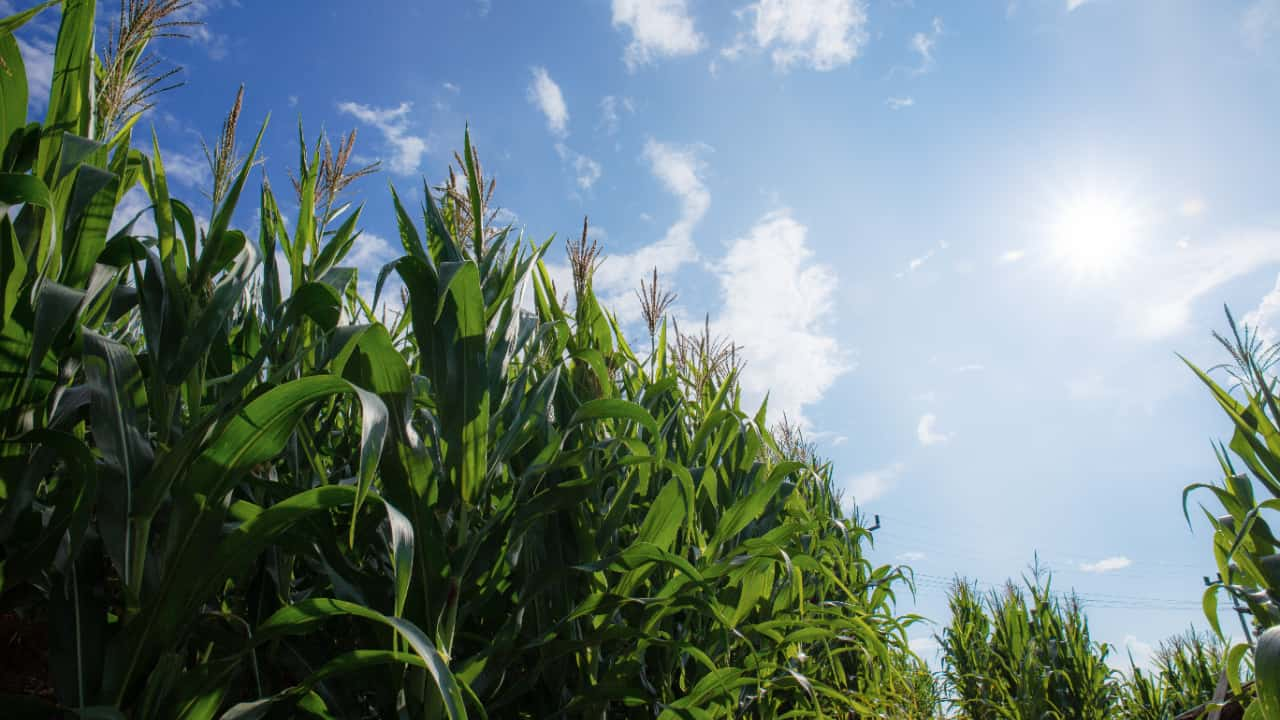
{"points": [[1244, 546], [1184, 675], [1023, 653], [231, 495]]}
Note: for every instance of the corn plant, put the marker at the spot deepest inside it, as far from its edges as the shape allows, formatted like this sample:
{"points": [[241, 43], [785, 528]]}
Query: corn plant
{"points": [[1244, 546], [1023, 654], [234, 487], [1184, 675]]}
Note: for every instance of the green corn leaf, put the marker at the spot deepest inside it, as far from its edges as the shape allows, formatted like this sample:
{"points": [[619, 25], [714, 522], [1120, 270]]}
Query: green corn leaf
{"points": [[605, 408], [749, 508], [338, 245], [70, 105], [369, 358], [303, 617], [13, 88], [1266, 666], [17, 20], [409, 237], [373, 433]]}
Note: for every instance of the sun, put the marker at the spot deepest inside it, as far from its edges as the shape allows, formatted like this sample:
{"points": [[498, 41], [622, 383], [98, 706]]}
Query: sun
{"points": [[1093, 234]]}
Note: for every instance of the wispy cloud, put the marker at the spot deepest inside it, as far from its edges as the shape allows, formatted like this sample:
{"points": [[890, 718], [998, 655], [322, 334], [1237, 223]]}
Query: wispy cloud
{"points": [[819, 34], [611, 109], [545, 94], [37, 56], [1012, 256], [1259, 23], [679, 169], [587, 170], [404, 149], [659, 29], [871, 485], [1106, 565], [898, 103], [1072, 5], [215, 44], [1170, 282], [927, 431], [191, 170], [922, 44]]}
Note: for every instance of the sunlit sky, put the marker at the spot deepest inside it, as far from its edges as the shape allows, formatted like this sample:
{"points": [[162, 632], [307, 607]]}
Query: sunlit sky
{"points": [[961, 242]]}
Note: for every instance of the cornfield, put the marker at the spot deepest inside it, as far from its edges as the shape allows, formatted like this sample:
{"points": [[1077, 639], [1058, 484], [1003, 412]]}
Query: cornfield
{"points": [[1184, 675], [1023, 653], [235, 487], [236, 483]]}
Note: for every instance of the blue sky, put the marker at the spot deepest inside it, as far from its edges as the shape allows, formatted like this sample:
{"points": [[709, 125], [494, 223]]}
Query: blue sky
{"points": [[961, 242]]}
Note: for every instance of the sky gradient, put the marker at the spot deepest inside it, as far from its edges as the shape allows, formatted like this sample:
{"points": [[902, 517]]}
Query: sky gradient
{"points": [[961, 243]]}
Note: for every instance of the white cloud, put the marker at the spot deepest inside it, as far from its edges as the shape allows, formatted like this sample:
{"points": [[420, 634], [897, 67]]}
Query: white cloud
{"points": [[1073, 4], [927, 433], [37, 56], [587, 170], [293, 101], [925, 647], [610, 107], [133, 202], [189, 170], [659, 28], [1106, 565], [679, 169], [198, 12], [915, 262], [912, 556], [897, 103], [1259, 23], [775, 304], [922, 45], [1141, 652], [545, 94], [1266, 317], [1012, 256], [821, 34], [406, 150], [1167, 285], [871, 486], [369, 253], [450, 87]]}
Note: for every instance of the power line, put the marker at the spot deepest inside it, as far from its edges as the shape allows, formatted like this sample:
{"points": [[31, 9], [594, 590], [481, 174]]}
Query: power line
{"points": [[943, 585], [890, 521]]}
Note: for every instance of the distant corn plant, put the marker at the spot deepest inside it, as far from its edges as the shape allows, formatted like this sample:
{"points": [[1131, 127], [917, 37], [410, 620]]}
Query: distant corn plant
{"points": [[1023, 653], [1183, 675], [235, 487]]}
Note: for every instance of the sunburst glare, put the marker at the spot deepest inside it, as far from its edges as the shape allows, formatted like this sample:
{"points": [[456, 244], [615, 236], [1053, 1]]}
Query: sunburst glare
{"points": [[1093, 234]]}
